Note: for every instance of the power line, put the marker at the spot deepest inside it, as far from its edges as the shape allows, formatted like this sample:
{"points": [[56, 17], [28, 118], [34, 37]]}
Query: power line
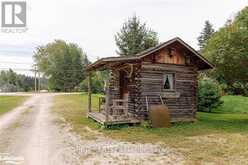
{"points": [[18, 69], [11, 62], [26, 69]]}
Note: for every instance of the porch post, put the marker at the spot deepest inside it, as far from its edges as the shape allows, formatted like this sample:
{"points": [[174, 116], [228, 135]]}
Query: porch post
{"points": [[107, 101], [89, 93]]}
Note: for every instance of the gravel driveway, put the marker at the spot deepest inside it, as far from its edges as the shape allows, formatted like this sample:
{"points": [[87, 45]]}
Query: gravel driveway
{"points": [[32, 135]]}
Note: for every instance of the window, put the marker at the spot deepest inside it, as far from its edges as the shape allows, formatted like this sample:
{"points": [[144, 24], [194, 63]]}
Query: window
{"points": [[168, 83]]}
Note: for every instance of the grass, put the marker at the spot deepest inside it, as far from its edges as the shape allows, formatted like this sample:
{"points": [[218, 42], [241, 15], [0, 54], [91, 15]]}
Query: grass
{"points": [[73, 109], [220, 137], [233, 104], [8, 103]]}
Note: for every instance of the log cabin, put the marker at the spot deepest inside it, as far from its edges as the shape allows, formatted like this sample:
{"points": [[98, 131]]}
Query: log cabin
{"points": [[164, 74]]}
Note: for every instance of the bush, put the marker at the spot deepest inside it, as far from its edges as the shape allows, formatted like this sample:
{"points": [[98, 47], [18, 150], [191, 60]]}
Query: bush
{"points": [[239, 88], [209, 94]]}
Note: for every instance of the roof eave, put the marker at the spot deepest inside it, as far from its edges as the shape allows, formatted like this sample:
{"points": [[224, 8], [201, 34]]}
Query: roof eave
{"points": [[104, 61]]}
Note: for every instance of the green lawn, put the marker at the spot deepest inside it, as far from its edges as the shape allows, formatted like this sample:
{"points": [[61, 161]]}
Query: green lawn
{"points": [[213, 138], [8, 103], [233, 104]]}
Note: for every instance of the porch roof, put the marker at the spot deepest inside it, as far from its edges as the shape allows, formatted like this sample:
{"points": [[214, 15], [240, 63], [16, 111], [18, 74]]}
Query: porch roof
{"points": [[101, 63]]}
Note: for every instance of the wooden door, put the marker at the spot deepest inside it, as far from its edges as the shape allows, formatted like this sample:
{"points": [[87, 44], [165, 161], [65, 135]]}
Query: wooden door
{"points": [[123, 85]]}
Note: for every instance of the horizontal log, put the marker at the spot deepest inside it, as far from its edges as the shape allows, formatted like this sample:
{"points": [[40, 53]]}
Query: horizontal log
{"points": [[168, 68]]}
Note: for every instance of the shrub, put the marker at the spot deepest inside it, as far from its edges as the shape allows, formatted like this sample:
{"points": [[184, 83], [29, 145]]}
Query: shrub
{"points": [[97, 82], [209, 94], [239, 88]]}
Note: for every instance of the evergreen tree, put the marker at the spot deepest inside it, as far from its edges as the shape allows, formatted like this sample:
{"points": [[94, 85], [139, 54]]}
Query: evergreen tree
{"points": [[134, 37], [205, 35], [209, 94]]}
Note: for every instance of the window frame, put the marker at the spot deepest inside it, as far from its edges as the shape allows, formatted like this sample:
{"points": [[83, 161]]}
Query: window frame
{"points": [[173, 79]]}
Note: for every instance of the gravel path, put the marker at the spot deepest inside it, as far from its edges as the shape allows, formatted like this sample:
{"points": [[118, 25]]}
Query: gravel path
{"points": [[29, 134], [32, 135]]}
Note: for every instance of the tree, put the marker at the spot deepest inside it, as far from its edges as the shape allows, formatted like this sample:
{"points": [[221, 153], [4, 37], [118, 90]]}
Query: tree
{"points": [[63, 63], [134, 37], [13, 82], [205, 35], [98, 81], [227, 50], [209, 94]]}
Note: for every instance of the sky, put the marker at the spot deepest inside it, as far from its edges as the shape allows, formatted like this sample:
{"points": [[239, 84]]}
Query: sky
{"points": [[92, 24]]}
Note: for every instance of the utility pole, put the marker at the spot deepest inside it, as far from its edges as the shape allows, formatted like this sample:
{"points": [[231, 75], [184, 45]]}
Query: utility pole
{"points": [[38, 81], [35, 79]]}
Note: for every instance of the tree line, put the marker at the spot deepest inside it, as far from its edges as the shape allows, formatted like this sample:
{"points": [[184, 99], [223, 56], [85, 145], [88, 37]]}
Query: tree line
{"points": [[10, 81]]}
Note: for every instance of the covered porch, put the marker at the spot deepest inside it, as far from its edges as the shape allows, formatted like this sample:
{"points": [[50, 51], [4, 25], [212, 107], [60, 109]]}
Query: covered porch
{"points": [[102, 119], [117, 113], [114, 107]]}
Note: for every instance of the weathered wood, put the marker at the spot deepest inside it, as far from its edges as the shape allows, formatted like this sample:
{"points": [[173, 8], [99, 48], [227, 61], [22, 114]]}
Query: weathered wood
{"points": [[169, 56], [180, 100], [141, 81], [147, 104], [89, 93], [107, 107], [120, 107], [101, 118], [101, 103]]}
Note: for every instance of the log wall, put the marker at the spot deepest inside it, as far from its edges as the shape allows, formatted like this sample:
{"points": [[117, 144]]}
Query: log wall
{"points": [[114, 87], [146, 83], [150, 80]]}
